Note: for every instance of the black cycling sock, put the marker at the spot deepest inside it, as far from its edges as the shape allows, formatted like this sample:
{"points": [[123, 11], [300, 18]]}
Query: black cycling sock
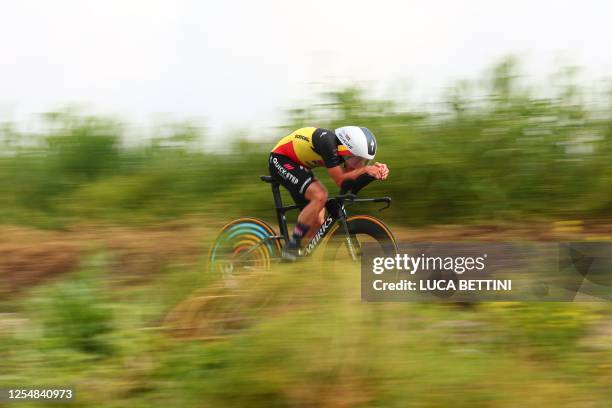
{"points": [[298, 232]]}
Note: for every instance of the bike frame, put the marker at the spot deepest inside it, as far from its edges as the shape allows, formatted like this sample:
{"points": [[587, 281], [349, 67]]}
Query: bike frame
{"points": [[335, 213], [330, 220]]}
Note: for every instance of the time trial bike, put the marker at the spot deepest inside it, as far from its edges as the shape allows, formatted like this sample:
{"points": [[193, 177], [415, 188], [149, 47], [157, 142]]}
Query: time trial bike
{"points": [[249, 243]]}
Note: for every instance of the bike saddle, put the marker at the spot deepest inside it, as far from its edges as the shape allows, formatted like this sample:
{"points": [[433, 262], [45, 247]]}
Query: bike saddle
{"points": [[267, 179]]}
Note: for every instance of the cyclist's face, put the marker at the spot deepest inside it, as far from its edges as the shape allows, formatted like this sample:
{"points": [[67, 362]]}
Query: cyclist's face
{"points": [[354, 162]]}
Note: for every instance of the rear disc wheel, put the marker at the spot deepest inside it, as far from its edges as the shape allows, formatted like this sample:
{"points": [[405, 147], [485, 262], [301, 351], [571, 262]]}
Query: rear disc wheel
{"points": [[243, 245]]}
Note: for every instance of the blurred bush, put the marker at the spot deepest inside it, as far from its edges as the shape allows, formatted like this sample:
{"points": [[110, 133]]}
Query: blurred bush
{"points": [[496, 150], [78, 317]]}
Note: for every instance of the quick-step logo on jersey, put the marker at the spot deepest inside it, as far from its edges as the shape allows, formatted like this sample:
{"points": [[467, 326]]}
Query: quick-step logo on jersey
{"points": [[283, 172]]}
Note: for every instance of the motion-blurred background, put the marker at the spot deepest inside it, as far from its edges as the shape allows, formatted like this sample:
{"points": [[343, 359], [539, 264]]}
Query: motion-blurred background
{"points": [[131, 131]]}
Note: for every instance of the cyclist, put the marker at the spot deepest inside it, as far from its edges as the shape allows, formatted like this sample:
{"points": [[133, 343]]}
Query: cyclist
{"points": [[345, 153]]}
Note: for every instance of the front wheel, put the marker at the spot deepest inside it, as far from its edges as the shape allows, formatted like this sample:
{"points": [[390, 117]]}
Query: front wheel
{"points": [[245, 244], [363, 230]]}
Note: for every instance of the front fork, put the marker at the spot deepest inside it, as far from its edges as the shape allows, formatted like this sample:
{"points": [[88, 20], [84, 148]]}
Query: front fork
{"points": [[352, 244]]}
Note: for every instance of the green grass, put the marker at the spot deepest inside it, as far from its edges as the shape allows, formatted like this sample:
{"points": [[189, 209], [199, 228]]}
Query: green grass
{"points": [[309, 341]]}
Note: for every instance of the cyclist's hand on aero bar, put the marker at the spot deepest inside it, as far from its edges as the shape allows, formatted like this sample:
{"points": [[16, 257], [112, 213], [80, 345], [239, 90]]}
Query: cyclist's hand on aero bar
{"points": [[374, 171], [384, 170]]}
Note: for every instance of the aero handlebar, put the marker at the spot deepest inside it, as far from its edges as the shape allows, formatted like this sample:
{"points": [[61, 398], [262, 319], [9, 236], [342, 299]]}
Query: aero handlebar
{"points": [[352, 198]]}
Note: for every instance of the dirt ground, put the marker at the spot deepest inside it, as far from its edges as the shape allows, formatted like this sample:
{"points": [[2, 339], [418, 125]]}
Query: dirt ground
{"points": [[29, 256]]}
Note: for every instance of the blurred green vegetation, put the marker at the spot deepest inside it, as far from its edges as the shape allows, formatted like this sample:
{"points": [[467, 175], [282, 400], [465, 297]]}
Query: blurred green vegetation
{"points": [[308, 341], [77, 316], [495, 150]]}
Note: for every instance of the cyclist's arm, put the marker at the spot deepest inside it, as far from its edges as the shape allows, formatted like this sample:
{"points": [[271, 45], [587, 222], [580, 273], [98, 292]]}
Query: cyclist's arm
{"points": [[324, 142], [339, 175]]}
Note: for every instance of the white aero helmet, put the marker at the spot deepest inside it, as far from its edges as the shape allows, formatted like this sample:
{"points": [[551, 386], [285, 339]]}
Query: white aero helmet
{"points": [[358, 140]]}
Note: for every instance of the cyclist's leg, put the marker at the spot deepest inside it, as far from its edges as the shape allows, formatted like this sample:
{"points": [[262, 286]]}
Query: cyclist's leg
{"points": [[313, 231], [291, 175], [312, 215], [297, 180]]}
